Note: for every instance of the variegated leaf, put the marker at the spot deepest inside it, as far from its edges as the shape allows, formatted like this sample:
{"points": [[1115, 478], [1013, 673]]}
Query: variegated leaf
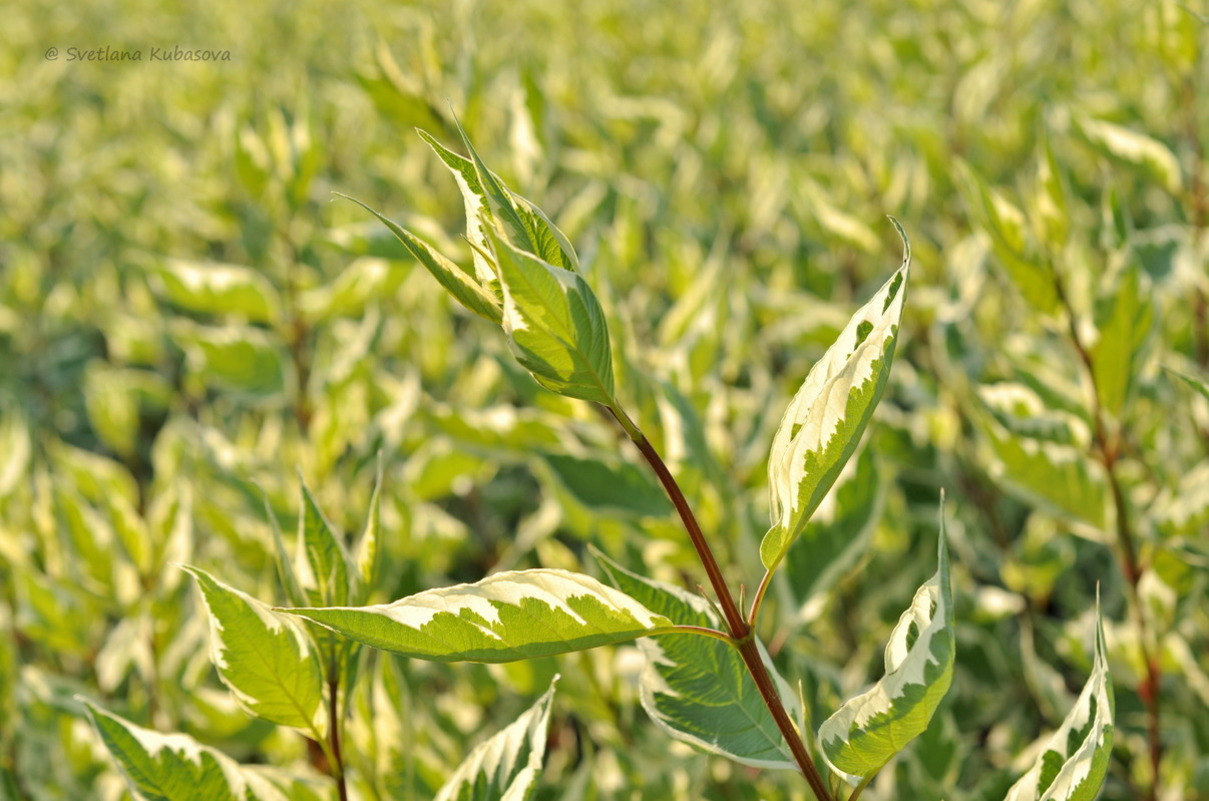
{"points": [[871, 728], [825, 420], [507, 765], [1075, 760], [175, 767], [555, 325], [469, 290], [697, 688], [509, 616], [264, 657]]}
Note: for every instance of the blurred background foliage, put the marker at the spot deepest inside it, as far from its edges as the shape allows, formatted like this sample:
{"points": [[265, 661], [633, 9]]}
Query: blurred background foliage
{"points": [[188, 319]]}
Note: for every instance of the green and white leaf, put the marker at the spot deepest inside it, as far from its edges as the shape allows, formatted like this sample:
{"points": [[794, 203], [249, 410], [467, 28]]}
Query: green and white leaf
{"points": [[555, 326], [368, 556], [175, 767], [825, 420], [1075, 760], [239, 359], [506, 766], [1037, 454], [697, 688], [219, 289], [264, 657], [509, 616], [871, 728], [323, 565], [838, 533], [1134, 148], [520, 221], [466, 289]]}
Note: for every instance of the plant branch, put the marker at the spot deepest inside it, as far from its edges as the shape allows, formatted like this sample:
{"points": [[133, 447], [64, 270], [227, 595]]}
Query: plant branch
{"points": [[1107, 452], [741, 634], [333, 727]]}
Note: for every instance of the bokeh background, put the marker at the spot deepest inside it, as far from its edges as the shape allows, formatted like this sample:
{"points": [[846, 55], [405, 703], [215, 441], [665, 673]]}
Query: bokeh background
{"points": [[724, 171]]}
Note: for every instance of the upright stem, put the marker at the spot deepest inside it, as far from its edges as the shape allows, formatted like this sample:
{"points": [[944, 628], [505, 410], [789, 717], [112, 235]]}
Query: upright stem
{"points": [[1108, 453], [740, 631], [333, 726]]}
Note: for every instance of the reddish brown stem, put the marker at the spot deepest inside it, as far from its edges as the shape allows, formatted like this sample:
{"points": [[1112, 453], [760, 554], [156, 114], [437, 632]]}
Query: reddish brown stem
{"points": [[740, 632]]}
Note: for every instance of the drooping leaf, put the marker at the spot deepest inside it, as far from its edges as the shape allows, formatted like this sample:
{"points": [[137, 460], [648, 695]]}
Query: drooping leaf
{"points": [[465, 288], [555, 326], [1075, 760], [175, 767], [1134, 148], [697, 688], [872, 727], [264, 657], [509, 616], [507, 765], [219, 289], [1123, 325], [825, 420]]}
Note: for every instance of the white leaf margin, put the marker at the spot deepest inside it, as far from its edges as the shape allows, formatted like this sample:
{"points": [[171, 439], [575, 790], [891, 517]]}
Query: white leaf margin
{"points": [[931, 610], [816, 413], [496, 757], [1083, 771]]}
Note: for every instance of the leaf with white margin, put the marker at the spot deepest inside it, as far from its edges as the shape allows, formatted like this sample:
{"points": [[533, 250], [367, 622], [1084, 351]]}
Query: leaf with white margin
{"points": [[323, 564], [219, 289], [555, 326], [513, 615], [1133, 147], [871, 728], [264, 657], [465, 288], [507, 765], [175, 767], [825, 420], [697, 688], [1075, 760]]}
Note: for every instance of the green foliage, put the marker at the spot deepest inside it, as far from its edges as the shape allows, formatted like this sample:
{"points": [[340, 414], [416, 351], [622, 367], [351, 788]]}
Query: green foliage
{"points": [[507, 616], [189, 320]]}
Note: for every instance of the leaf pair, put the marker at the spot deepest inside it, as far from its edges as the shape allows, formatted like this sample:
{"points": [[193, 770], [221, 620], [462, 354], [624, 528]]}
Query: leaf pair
{"points": [[525, 279]]}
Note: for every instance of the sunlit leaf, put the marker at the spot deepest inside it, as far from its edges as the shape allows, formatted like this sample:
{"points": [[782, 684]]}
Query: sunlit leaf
{"points": [[264, 657], [1134, 148], [555, 326], [507, 765], [175, 767], [466, 289], [1074, 762], [323, 563], [509, 616], [871, 728], [1004, 223], [825, 420], [219, 289]]}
